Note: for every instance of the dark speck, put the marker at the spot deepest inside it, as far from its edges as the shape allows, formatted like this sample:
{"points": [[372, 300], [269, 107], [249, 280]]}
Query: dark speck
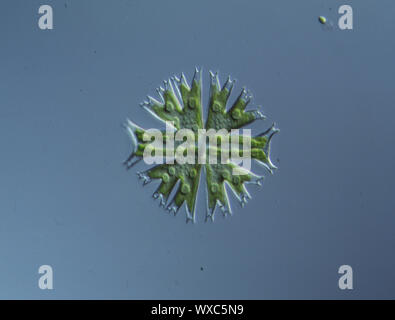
{"points": [[201, 268]]}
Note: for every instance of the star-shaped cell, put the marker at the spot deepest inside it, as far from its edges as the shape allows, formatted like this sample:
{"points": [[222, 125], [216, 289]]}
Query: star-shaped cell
{"points": [[179, 107]]}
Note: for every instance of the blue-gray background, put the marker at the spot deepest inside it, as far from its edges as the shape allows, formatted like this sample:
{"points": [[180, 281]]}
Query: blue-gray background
{"points": [[66, 201]]}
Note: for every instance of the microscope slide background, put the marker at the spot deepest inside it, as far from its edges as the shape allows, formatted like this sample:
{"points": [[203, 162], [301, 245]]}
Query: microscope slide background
{"points": [[67, 201]]}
